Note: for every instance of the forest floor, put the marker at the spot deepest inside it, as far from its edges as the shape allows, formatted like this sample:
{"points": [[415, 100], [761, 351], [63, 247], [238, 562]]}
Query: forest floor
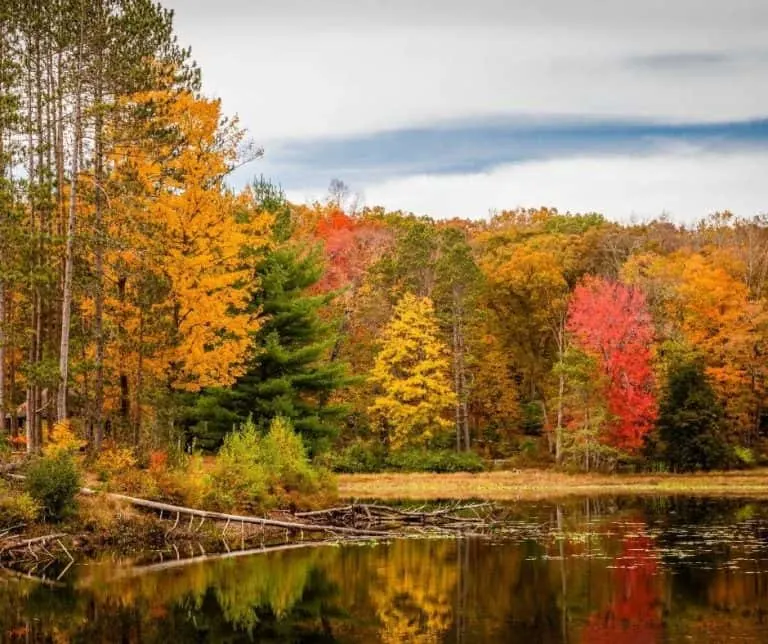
{"points": [[532, 484]]}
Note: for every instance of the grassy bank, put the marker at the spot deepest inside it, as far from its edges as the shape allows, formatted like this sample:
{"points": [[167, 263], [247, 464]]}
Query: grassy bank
{"points": [[541, 484]]}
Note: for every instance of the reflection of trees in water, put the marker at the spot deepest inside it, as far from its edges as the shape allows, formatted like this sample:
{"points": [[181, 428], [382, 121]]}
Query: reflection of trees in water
{"points": [[268, 598], [596, 572], [413, 591], [634, 612]]}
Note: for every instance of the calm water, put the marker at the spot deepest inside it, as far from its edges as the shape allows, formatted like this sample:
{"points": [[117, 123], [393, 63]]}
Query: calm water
{"points": [[618, 571]]}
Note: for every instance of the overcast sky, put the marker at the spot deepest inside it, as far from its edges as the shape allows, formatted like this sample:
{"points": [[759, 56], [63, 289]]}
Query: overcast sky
{"points": [[447, 108]]}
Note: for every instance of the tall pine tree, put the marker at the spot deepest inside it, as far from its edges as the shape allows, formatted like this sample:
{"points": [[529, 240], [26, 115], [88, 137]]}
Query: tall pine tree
{"points": [[289, 374]]}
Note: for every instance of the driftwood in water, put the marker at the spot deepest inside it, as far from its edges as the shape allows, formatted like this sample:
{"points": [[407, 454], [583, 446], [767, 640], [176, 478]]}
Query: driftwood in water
{"points": [[233, 554], [240, 518], [16, 544], [10, 573], [452, 518]]}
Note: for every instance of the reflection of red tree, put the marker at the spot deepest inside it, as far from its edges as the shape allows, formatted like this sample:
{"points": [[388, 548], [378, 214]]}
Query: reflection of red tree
{"points": [[634, 613]]}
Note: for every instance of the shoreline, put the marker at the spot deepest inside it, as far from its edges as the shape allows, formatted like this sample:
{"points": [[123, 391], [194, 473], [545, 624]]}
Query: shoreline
{"points": [[538, 485]]}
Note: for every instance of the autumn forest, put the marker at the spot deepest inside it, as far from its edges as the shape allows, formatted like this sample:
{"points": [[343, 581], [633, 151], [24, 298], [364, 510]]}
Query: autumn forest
{"points": [[230, 414], [147, 303]]}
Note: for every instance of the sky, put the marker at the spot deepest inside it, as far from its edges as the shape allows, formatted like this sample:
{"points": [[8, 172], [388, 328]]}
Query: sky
{"points": [[448, 108]]}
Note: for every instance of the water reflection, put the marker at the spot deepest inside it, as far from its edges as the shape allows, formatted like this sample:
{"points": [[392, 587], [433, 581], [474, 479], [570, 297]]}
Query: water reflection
{"points": [[630, 571]]}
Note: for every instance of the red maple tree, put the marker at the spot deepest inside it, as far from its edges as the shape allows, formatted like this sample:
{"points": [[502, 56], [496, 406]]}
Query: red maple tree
{"points": [[351, 244], [610, 321]]}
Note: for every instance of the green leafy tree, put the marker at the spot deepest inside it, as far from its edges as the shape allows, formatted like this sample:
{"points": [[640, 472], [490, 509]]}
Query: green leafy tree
{"points": [[690, 434]]}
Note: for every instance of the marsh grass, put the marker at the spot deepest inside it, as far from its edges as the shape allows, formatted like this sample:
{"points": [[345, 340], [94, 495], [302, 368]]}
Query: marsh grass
{"points": [[541, 484]]}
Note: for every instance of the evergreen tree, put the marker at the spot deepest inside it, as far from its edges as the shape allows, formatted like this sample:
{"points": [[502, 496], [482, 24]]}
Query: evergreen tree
{"points": [[289, 375], [690, 421]]}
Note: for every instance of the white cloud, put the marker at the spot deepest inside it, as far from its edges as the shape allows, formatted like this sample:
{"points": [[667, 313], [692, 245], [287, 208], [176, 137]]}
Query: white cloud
{"points": [[685, 183], [295, 69], [301, 69]]}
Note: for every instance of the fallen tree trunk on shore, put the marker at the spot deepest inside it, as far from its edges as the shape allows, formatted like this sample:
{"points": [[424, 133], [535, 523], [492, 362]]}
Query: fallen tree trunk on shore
{"points": [[181, 510], [239, 518], [378, 520]]}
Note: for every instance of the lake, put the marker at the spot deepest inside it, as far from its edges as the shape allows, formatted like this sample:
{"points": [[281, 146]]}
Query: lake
{"points": [[618, 570]]}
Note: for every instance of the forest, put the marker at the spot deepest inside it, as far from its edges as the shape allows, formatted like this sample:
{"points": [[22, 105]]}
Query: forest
{"points": [[153, 314]]}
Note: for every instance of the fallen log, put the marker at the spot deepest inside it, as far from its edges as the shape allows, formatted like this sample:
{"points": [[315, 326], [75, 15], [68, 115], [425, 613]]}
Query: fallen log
{"points": [[241, 518], [373, 513], [16, 544], [317, 513], [10, 573], [221, 516]]}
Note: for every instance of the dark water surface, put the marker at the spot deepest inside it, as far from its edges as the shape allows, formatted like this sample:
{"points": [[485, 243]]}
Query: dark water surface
{"points": [[624, 571]]}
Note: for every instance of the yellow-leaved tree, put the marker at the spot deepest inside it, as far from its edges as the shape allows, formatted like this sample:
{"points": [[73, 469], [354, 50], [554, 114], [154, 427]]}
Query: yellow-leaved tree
{"points": [[412, 373], [184, 243]]}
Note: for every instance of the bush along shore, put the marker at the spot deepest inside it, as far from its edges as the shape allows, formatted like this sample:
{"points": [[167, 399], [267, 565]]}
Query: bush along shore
{"points": [[261, 490]]}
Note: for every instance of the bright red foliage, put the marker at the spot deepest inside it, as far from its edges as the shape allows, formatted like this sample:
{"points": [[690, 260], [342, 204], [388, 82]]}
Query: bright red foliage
{"points": [[610, 321], [351, 243]]}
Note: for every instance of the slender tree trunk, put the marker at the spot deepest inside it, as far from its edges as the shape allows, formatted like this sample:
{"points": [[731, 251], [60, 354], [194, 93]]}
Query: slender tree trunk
{"points": [[460, 374], [2, 343], [456, 386], [560, 337], [4, 165], [44, 200], [66, 306], [31, 416], [139, 382], [99, 258], [2, 258]]}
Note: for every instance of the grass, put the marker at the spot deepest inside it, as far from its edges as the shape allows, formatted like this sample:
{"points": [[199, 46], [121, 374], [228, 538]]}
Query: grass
{"points": [[545, 484]]}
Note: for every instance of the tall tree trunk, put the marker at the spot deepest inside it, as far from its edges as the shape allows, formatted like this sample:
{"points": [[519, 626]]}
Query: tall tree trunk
{"points": [[139, 382], [99, 250], [66, 306], [31, 416], [560, 339], [2, 343], [460, 373], [4, 165], [456, 384]]}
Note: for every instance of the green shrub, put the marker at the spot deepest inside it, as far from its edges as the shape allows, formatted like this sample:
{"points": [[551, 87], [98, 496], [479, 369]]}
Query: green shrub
{"points": [[745, 456], [284, 457], [16, 507], [53, 481], [436, 461], [238, 479], [357, 458], [258, 472]]}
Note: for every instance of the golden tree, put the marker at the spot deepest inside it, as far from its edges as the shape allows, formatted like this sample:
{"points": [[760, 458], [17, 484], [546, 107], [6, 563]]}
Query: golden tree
{"points": [[412, 371], [179, 263]]}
